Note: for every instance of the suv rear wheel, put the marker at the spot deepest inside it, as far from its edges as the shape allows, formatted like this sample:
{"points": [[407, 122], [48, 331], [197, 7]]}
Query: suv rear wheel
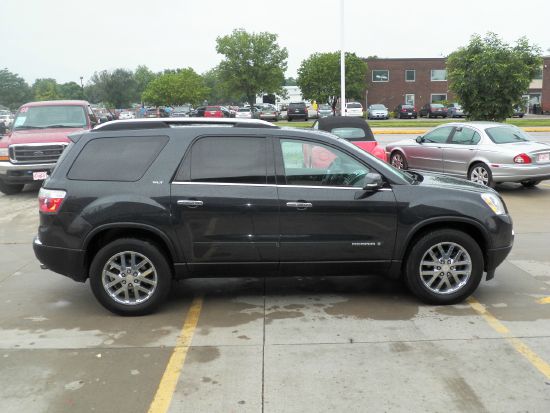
{"points": [[130, 277], [10, 189], [444, 267]]}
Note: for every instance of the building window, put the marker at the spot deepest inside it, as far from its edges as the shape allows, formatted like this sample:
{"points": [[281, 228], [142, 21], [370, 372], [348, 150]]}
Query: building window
{"points": [[438, 75], [538, 74], [410, 75], [409, 99], [380, 75], [438, 97]]}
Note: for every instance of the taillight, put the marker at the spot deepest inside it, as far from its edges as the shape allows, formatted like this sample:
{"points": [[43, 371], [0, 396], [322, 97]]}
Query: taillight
{"points": [[403, 110], [522, 158], [50, 201]]}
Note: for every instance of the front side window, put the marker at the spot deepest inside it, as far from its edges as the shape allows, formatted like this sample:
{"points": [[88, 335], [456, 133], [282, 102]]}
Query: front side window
{"points": [[410, 75], [380, 75], [465, 136], [58, 116], [237, 160], [439, 135], [438, 75], [315, 164]]}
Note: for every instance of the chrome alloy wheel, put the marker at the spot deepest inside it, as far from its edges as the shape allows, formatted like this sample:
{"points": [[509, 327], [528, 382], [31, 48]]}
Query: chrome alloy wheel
{"points": [[129, 278], [479, 175], [445, 268], [397, 161]]}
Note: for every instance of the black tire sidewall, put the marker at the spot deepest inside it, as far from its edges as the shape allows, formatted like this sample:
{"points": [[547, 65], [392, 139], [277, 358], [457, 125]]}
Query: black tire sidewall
{"points": [[412, 277], [146, 248], [10, 189]]}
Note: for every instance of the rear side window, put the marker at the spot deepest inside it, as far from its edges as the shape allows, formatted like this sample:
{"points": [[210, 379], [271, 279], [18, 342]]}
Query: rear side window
{"points": [[123, 159], [465, 136], [228, 160]]}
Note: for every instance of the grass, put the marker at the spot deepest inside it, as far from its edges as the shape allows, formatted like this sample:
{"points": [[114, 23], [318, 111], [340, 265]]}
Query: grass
{"points": [[415, 124]]}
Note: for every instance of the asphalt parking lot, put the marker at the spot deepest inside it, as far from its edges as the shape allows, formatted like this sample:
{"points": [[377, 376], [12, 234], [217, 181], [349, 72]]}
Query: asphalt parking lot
{"points": [[328, 344]]}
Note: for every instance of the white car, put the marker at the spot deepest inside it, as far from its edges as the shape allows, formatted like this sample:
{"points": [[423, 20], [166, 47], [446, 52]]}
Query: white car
{"points": [[377, 112], [354, 109], [126, 115], [6, 118]]}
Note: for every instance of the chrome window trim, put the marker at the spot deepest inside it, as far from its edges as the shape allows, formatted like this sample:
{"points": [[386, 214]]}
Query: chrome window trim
{"points": [[354, 188]]}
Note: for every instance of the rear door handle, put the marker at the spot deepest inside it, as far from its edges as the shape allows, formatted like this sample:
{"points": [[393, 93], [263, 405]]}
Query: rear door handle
{"points": [[299, 205], [190, 203]]}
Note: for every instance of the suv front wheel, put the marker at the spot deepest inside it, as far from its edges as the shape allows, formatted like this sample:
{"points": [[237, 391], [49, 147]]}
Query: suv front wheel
{"points": [[130, 277], [444, 267]]}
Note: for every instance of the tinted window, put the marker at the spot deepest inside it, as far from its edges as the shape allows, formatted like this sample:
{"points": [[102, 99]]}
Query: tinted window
{"points": [[438, 135], [506, 134], [378, 107], [465, 136], [297, 105], [354, 106], [315, 164], [349, 133], [55, 116], [229, 160], [116, 159]]}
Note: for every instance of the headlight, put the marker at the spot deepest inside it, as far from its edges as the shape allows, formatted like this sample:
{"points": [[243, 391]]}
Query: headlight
{"points": [[494, 202]]}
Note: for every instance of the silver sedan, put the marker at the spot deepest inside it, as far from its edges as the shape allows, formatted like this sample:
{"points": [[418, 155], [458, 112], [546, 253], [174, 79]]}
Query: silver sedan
{"points": [[483, 152]]}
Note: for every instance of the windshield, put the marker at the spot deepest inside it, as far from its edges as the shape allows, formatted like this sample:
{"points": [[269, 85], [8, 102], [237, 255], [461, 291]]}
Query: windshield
{"points": [[437, 105], [244, 110], [325, 107], [507, 134], [354, 106], [39, 117], [379, 107]]}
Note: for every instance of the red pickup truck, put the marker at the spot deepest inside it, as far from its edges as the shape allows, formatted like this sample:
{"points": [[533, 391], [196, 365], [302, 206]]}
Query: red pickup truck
{"points": [[38, 136]]}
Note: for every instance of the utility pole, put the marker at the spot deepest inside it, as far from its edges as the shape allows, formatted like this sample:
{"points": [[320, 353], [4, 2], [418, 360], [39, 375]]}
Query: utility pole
{"points": [[342, 63]]}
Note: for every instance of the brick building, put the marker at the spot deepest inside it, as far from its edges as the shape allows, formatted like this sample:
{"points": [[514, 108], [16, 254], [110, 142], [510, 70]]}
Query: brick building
{"points": [[424, 80]]}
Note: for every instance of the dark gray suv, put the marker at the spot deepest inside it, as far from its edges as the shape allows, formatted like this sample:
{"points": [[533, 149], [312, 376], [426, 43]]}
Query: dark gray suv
{"points": [[134, 204], [297, 110]]}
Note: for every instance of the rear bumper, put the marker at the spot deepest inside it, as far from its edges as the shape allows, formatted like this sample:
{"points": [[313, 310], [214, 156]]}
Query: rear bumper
{"points": [[68, 262], [22, 173], [518, 173]]}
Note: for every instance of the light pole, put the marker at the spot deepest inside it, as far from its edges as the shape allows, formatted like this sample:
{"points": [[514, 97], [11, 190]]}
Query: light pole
{"points": [[342, 63], [82, 86]]}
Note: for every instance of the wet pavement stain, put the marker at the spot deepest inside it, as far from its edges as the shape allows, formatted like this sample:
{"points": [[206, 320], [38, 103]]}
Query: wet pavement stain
{"points": [[465, 398], [374, 308], [203, 354], [244, 337], [281, 315], [223, 313], [400, 347]]}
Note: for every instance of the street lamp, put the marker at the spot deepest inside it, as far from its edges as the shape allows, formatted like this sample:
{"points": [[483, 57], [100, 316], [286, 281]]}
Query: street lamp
{"points": [[342, 63]]}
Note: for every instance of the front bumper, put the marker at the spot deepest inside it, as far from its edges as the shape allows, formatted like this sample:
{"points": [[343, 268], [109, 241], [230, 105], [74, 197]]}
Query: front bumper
{"points": [[518, 172], [22, 173], [65, 261], [378, 115]]}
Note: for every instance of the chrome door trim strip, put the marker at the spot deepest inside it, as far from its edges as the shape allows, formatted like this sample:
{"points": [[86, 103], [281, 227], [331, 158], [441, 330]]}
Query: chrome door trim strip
{"points": [[273, 185]]}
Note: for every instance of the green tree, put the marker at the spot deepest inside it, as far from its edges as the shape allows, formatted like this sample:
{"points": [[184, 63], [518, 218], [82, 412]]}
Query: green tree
{"points": [[46, 89], [220, 91], [14, 91], [253, 63], [143, 76], [319, 76], [184, 86], [290, 81], [70, 90], [116, 89], [489, 76]]}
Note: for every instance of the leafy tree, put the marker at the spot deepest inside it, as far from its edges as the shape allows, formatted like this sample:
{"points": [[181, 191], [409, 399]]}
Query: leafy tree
{"points": [[219, 91], [489, 76], [46, 89], [290, 81], [70, 90], [319, 76], [143, 76], [116, 89], [254, 63], [185, 86], [14, 91]]}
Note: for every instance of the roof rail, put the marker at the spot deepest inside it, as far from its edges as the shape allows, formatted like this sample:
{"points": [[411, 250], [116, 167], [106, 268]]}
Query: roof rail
{"points": [[161, 123]]}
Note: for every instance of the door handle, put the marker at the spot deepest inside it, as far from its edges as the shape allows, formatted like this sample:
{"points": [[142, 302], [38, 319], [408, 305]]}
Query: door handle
{"points": [[190, 203], [299, 205]]}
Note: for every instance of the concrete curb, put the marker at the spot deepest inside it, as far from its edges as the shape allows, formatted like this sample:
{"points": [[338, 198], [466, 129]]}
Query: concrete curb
{"points": [[399, 131]]}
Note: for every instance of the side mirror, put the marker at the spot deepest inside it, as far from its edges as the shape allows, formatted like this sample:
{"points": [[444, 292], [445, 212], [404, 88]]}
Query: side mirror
{"points": [[419, 139], [372, 181], [103, 119]]}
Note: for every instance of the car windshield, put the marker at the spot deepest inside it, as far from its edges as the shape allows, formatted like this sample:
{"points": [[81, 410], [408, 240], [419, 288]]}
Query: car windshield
{"points": [[507, 134], [437, 105], [297, 105], [379, 107], [212, 108], [244, 110], [325, 107], [354, 106], [36, 117]]}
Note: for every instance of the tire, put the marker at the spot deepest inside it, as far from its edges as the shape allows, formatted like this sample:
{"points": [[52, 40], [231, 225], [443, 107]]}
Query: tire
{"points": [[289, 119], [531, 183], [306, 119], [10, 189], [442, 282], [481, 173], [112, 253], [398, 160]]}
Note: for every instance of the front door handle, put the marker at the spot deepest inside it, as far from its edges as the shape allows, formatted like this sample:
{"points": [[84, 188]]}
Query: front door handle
{"points": [[190, 203], [299, 205]]}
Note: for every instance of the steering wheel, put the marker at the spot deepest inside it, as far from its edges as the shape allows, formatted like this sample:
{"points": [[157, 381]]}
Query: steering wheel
{"points": [[354, 177], [331, 175]]}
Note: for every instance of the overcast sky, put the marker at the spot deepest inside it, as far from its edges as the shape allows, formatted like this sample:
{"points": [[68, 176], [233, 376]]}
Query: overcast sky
{"points": [[66, 39]]}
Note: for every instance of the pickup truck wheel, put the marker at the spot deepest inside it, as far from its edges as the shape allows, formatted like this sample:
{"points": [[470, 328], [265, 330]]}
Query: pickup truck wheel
{"points": [[444, 267], [10, 189], [130, 277]]}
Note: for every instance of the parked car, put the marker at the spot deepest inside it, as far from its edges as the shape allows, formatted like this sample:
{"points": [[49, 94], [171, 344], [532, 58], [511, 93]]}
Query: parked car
{"points": [[377, 111], [354, 109], [247, 113], [353, 129], [324, 110], [406, 111], [39, 135], [486, 153], [181, 111], [433, 110], [216, 112], [245, 199], [519, 112], [454, 110], [268, 112], [126, 115], [297, 110], [6, 118]]}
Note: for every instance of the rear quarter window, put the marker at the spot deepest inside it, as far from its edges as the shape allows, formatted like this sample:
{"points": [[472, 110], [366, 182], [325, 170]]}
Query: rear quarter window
{"points": [[123, 159]]}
